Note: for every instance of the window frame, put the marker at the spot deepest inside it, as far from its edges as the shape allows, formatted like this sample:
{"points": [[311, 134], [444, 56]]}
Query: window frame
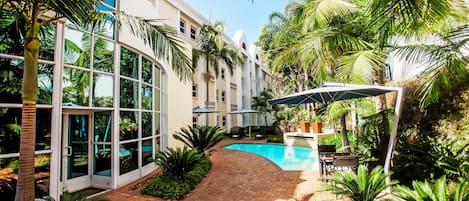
{"points": [[182, 26], [193, 32]]}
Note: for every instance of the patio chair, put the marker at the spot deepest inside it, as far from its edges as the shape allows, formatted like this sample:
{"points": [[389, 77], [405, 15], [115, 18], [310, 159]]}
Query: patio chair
{"points": [[326, 156], [343, 163], [259, 136]]}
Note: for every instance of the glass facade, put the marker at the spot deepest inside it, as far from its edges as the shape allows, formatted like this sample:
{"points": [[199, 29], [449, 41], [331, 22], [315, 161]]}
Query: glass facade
{"points": [[88, 74]]}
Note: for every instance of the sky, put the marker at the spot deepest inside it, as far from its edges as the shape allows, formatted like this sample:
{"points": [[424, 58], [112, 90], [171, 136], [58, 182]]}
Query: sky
{"points": [[239, 14]]}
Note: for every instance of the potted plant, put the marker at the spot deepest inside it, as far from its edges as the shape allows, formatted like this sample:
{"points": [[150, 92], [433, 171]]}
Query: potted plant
{"points": [[317, 125], [305, 122]]}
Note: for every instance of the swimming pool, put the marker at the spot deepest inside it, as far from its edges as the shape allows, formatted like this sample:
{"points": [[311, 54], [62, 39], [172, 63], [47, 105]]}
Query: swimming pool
{"points": [[286, 157]]}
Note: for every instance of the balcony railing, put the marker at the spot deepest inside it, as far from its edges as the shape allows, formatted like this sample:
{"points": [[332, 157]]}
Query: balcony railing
{"points": [[234, 105], [233, 85], [210, 103]]}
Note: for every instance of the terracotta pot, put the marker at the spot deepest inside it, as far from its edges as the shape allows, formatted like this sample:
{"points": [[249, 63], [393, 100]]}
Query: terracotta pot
{"points": [[317, 127], [304, 127]]}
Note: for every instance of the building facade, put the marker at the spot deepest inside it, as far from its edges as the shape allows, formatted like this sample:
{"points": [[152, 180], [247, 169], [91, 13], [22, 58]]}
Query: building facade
{"points": [[106, 104], [229, 91]]}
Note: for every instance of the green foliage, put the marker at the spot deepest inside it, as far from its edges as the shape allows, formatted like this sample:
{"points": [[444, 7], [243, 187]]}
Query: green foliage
{"points": [[199, 138], [362, 186], [439, 191], [274, 138], [430, 158], [167, 186], [177, 162]]}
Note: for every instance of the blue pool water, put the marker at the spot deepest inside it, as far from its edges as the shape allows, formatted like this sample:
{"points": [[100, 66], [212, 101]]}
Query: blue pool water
{"points": [[286, 157]]}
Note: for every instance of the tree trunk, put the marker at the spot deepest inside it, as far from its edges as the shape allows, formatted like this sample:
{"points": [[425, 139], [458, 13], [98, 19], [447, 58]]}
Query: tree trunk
{"points": [[384, 131], [26, 181], [207, 80], [355, 135], [343, 132]]}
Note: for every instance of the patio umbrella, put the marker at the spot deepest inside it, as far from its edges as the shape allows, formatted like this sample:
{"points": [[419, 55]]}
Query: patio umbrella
{"points": [[198, 110], [337, 91], [245, 112]]}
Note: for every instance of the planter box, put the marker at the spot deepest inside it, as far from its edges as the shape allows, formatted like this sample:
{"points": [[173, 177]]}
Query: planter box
{"points": [[317, 127], [304, 127]]}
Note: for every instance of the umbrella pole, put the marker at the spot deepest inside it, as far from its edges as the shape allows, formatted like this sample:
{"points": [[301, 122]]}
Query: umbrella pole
{"points": [[392, 139]]}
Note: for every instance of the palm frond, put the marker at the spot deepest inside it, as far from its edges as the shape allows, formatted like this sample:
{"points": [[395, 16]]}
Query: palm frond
{"points": [[360, 67], [320, 12], [161, 38]]}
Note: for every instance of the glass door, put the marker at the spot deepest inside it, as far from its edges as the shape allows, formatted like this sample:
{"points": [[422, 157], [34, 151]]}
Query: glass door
{"points": [[76, 151]]}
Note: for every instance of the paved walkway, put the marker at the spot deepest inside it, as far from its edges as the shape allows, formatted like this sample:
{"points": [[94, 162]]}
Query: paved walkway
{"points": [[240, 176]]}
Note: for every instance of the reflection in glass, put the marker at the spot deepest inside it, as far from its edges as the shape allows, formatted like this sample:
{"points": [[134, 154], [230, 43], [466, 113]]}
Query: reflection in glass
{"points": [[78, 146], [102, 126], [102, 159], [129, 63], [146, 97], [77, 48], [147, 151], [75, 87], [128, 157], [157, 100], [10, 129], [128, 125], [146, 124], [157, 123], [103, 55], [147, 65], [157, 147], [11, 76], [103, 90], [128, 94], [157, 77]]}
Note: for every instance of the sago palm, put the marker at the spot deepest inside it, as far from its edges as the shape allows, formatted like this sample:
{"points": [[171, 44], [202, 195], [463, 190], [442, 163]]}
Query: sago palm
{"points": [[362, 186], [440, 191], [199, 138], [161, 38], [177, 162]]}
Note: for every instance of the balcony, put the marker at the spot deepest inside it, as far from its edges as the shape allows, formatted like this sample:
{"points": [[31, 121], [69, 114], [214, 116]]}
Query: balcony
{"points": [[233, 85], [210, 103]]}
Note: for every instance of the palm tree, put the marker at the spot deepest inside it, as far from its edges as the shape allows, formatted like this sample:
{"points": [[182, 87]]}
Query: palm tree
{"points": [[362, 186], [439, 191], [199, 138], [161, 38], [260, 103], [212, 47]]}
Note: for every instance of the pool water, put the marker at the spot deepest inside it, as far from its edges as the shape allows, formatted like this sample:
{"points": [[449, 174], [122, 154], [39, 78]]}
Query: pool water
{"points": [[286, 157]]}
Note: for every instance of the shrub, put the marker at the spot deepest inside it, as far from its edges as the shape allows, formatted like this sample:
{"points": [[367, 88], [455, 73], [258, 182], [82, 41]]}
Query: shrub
{"points": [[439, 191], [168, 186], [177, 162], [199, 138], [361, 186], [428, 158]]}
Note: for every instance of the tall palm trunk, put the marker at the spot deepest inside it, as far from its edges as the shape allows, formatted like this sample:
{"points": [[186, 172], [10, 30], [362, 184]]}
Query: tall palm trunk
{"points": [[384, 132], [343, 132], [25, 185], [207, 80]]}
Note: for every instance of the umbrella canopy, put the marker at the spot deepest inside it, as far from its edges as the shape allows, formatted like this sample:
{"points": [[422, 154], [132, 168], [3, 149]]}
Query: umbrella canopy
{"points": [[331, 92], [245, 112], [198, 110], [337, 91], [242, 111]]}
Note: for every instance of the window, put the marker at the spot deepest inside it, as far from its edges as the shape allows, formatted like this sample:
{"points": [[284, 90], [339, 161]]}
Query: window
{"points": [[244, 45], [223, 121], [182, 26], [216, 95], [193, 32], [194, 121], [223, 96], [194, 90], [257, 57], [222, 73]]}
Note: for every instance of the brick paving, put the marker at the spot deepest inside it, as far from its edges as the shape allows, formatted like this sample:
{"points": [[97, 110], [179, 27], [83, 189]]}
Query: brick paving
{"points": [[240, 176]]}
